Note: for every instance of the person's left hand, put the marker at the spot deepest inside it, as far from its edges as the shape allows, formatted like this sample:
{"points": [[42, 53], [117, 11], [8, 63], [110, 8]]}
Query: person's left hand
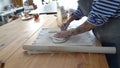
{"points": [[62, 34], [35, 6]]}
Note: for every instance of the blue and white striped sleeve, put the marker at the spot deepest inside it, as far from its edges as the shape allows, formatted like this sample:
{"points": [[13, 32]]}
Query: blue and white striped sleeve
{"points": [[102, 10], [78, 13]]}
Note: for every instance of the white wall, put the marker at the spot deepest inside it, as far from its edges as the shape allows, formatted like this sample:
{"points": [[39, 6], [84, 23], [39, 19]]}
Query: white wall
{"points": [[4, 3], [68, 4], [37, 2]]}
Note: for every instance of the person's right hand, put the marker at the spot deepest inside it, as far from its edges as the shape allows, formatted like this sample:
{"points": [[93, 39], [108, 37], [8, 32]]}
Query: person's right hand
{"points": [[64, 26]]}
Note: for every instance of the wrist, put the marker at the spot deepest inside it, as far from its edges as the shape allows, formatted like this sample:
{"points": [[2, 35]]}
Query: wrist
{"points": [[71, 32], [67, 22]]}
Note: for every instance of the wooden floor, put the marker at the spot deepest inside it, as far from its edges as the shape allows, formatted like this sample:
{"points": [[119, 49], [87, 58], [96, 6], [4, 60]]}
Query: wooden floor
{"points": [[14, 35]]}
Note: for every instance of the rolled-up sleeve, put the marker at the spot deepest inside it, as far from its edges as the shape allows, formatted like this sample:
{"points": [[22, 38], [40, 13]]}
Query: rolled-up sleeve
{"points": [[102, 10], [78, 13]]}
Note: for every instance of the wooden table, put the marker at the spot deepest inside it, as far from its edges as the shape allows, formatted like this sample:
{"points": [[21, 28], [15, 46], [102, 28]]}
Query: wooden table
{"points": [[15, 34]]}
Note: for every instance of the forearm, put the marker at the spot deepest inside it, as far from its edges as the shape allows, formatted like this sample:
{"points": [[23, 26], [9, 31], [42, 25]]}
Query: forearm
{"points": [[71, 18], [86, 26]]}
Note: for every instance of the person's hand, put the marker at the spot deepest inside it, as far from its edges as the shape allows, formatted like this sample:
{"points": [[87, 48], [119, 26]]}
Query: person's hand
{"points": [[63, 34], [35, 6], [64, 26]]}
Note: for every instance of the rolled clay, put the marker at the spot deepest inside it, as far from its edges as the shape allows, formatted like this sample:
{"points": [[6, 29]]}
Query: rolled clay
{"points": [[57, 40]]}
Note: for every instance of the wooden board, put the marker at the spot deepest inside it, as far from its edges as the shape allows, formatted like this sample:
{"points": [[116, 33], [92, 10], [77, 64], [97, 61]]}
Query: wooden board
{"points": [[78, 43], [84, 39], [44, 34]]}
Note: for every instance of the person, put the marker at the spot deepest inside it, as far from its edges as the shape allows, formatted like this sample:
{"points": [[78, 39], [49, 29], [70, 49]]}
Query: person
{"points": [[103, 19], [28, 6], [43, 2]]}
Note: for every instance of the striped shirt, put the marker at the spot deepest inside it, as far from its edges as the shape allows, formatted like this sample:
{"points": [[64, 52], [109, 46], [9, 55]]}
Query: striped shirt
{"points": [[101, 11]]}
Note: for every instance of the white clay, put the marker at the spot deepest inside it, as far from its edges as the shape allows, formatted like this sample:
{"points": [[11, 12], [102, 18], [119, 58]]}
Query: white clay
{"points": [[57, 40]]}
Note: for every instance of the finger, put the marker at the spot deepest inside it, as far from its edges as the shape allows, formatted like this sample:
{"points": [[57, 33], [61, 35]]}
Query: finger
{"points": [[56, 34], [59, 35], [63, 28]]}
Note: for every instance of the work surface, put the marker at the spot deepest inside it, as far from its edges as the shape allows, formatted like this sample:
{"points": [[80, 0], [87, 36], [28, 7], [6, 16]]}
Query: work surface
{"points": [[15, 34]]}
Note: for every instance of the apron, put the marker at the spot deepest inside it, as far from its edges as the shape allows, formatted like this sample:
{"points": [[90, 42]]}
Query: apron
{"points": [[107, 33]]}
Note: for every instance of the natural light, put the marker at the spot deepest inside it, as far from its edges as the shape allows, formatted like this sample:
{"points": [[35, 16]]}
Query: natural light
{"points": [[66, 3]]}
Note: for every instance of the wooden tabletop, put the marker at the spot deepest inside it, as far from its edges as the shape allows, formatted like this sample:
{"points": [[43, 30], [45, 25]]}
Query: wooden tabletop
{"points": [[15, 34]]}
